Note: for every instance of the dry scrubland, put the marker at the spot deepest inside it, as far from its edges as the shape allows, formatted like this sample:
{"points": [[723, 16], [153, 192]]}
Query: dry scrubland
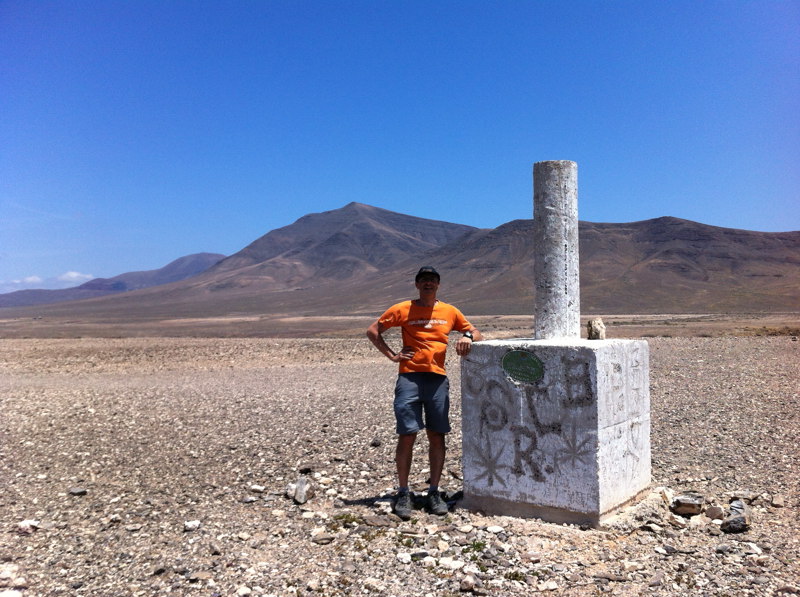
{"points": [[112, 445]]}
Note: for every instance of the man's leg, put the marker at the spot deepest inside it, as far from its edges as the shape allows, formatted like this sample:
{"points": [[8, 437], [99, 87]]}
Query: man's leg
{"points": [[436, 455], [403, 456], [403, 505], [437, 408]]}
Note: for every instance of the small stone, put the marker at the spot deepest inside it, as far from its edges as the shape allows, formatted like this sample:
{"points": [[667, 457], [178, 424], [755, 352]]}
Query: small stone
{"points": [[244, 590], [8, 572], [199, 575], [468, 583], [428, 562], [451, 564], [418, 556], [595, 329], [20, 583], [323, 538], [258, 488], [734, 524], [404, 557], [667, 495], [77, 491], [752, 548], [375, 443], [631, 566], [688, 504], [303, 490], [313, 585], [652, 527], [495, 529], [549, 585], [607, 575], [739, 519], [249, 499], [191, 525], [697, 522], [373, 585], [744, 495], [378, 521], [677, 521], [715, 512], [466, 529], [657, 579], [26, 527], [531, 557], [778, 501]]}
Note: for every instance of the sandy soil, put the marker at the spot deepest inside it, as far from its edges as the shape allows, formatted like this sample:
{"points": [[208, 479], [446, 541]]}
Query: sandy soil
{"points": [[153, 466], [352, 326]]}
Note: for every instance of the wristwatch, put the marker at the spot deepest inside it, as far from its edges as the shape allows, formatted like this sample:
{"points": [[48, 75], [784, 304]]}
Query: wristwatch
{"points": [[469, 335]]}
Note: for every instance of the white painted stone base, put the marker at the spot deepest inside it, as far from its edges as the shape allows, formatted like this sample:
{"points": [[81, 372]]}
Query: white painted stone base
{"points": [[568, 440]]}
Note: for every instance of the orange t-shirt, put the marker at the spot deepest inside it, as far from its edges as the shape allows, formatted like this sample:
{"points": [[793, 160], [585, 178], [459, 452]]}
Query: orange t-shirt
{"points": [[425, 329]]}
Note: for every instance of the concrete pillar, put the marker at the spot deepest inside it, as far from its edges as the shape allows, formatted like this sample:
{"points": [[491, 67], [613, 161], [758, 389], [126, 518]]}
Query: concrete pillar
{"points": [[555, 427], [556, 271]]}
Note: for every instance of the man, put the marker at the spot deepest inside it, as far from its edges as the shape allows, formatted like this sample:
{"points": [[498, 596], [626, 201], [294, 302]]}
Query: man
{"points": [[421, 395]]}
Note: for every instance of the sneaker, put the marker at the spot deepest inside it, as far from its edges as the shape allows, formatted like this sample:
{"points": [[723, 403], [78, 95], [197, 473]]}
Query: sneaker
{"points": [[436, 503], [402, 506]]}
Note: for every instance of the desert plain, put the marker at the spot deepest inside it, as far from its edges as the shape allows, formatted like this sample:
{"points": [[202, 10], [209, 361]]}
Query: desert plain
{"points": [[166, 464]]}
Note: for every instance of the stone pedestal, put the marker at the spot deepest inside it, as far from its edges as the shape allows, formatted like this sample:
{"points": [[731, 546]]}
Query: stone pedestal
{"points": [[555, 429]]}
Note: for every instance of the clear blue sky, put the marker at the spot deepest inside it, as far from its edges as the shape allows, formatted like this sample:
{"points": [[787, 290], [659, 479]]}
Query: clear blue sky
{"points": [[136, 132]]}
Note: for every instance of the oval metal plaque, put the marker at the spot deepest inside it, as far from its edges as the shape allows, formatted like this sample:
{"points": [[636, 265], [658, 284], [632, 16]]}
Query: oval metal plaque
{"points": [[522, 366]]}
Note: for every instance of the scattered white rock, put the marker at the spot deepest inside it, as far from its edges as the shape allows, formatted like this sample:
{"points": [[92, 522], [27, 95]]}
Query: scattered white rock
{"points": [[404, 557], [191, 525], [451, 563], [26, 527]]}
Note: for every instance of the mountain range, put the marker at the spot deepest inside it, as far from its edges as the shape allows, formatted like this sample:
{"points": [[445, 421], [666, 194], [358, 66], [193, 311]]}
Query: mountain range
{"points": [[180, 269], [359, 259]]}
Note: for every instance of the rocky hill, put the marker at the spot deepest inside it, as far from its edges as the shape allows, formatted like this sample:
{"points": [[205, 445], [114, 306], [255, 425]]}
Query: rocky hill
{"points": [[358, 259]]}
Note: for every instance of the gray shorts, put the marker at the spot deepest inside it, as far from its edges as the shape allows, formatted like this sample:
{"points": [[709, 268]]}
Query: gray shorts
{"points": [[418, 393]]}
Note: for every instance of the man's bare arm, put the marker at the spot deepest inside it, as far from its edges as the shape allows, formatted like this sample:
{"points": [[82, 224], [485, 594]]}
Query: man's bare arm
{"points": [[464, 344], [374, 333]]}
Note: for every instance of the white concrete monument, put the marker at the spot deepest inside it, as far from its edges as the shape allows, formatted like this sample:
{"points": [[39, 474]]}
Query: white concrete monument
{"points": [[555, 427]]}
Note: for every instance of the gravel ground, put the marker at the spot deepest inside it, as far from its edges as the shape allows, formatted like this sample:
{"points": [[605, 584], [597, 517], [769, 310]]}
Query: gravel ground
{"points": [[160, 466]]}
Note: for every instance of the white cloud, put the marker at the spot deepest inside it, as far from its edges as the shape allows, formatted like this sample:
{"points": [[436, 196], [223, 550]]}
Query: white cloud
{"points": [[65, 280], [75, 277]]}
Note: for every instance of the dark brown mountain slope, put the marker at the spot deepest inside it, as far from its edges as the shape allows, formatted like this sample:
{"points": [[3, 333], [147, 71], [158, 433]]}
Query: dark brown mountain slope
{"points": [[665, 265], [355, 240]]}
